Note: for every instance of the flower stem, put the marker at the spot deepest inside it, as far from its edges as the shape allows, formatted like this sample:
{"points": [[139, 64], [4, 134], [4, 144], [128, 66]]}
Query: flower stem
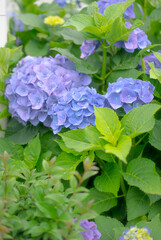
{"points": [[103, 74]]}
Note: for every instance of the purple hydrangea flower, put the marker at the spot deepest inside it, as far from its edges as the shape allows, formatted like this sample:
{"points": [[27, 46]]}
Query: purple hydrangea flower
{"points": [[103, 4], [151, 58], [129, 93], [34, 80], [74, 109], [135, 233], [137, 40], [88, 47], [91, 232]]}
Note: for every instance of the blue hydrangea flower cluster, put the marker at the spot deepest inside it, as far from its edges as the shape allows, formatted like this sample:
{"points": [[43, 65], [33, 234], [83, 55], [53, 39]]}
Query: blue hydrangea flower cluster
{"points": [[34, 80], [74, 109], [151, 58], [129, 93], [91, 232], [137, 40], [88, 47], [103, 4], [135, 233]]}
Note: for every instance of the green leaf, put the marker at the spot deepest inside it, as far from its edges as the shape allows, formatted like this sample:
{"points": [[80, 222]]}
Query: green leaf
{"points": [[65, 217], [63, 44], [100, 20], [102, 201], [119, 31], [79, 21], [47, 209], [109, 180], [83, 139], [106, 226], [116, 10], [68, 162], [16, 151], [20, 134], [140, 120], [36, 48], [81, 65], [65, 148], [142, 174], [108, 124], [154, 137], [33, 20], [43, 161], [5, 55], [155, 15], [122, 149], [137, 203], [144, 50], [127, 61], [3, 100], [32, 152], [73, 35], [105, 156], [157, 54], [124, 74], [155, 73], [154, 198], [48, 143], [155, 209], [92, 9], [36, 231], [4, 113], [52, 9], [17, 54], [94, 30]]}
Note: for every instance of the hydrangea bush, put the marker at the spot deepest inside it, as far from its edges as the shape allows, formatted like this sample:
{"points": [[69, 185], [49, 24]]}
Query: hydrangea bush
{"points": [[80, 158]]}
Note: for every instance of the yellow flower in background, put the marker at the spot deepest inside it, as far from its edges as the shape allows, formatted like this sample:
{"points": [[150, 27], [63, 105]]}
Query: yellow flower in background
{"points": [[53, 20]]}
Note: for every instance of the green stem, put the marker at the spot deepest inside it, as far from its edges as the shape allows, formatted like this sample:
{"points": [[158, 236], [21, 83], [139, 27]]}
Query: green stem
{"points": [[103, 74], [145, 10], [108, 73], [140, 140], [98, 77]]}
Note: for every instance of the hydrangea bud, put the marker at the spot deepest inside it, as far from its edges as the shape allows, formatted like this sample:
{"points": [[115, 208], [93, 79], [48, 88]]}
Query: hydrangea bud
{"points": [[88, 47], [91, 232], [34, 80], [74, 109], [103, 4], [151, 58], [129, 93], [136, 233], [137, 40]]}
